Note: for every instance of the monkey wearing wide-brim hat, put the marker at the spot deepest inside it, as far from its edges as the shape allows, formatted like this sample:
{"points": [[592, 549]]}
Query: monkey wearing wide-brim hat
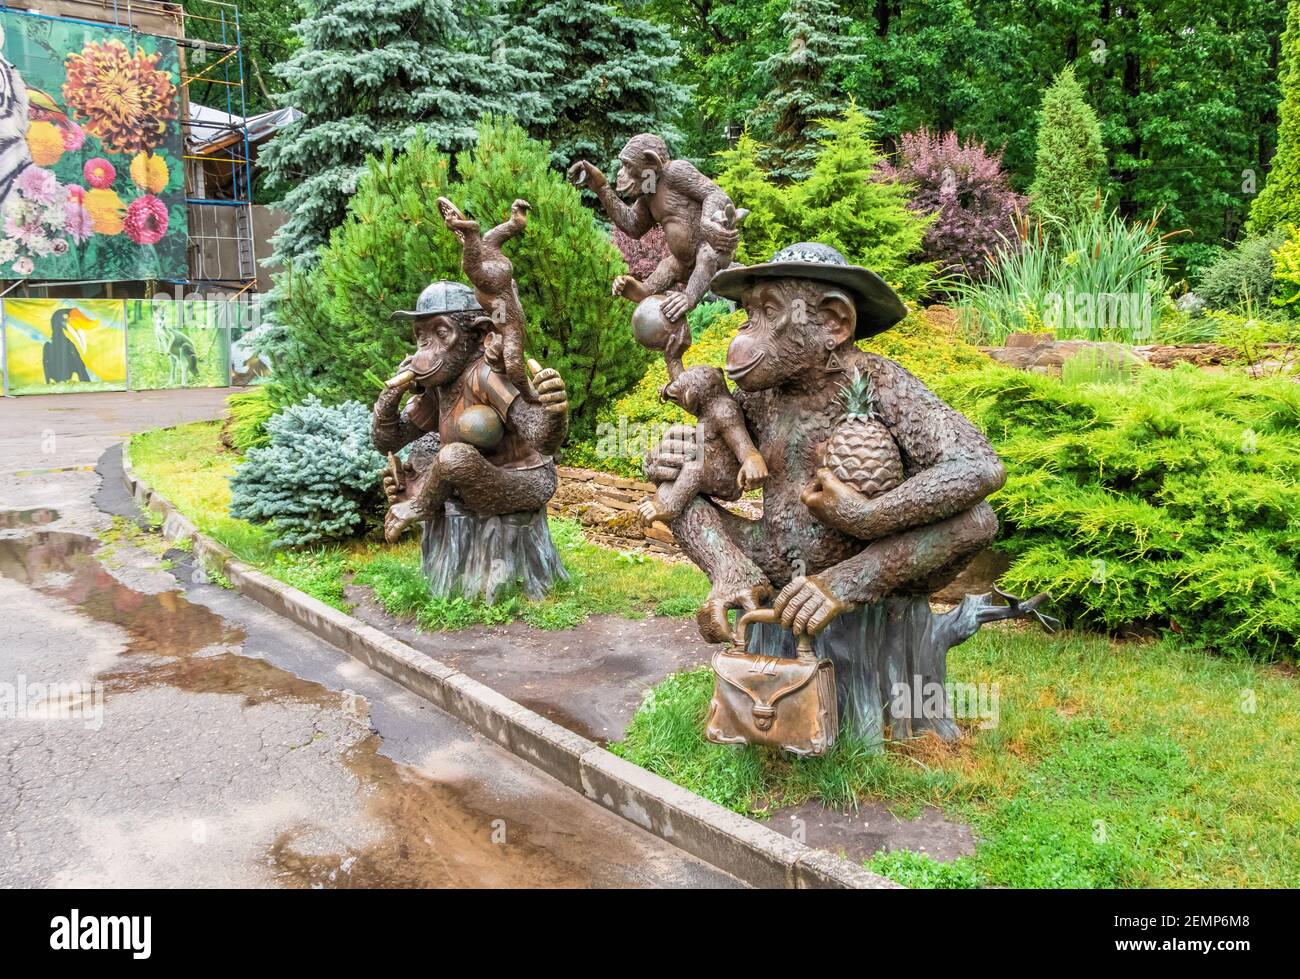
{"points": [[823, 545]]}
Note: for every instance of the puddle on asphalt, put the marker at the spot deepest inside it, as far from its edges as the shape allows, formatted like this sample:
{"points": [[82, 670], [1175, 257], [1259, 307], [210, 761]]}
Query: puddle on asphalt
{"points": [[38, 517], [440, 839], [435, 837]]}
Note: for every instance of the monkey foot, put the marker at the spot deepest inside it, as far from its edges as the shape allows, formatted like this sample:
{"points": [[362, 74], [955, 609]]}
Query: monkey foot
{"points": [[399, 517]]}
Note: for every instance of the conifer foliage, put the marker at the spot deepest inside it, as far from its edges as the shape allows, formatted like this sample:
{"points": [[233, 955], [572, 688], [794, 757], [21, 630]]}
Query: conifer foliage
{"points": [[1071, 161], [1279, 202], [601, 76], [318, 479], [333, 335], [368, 73], [842, 202], [808, 74]]}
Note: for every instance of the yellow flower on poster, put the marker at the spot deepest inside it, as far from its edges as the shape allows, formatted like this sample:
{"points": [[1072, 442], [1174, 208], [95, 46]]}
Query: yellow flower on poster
{"points": [[55, 345]]}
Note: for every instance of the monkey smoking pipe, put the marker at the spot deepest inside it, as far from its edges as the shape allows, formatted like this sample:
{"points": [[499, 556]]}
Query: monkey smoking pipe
{"points": [[401, 379]]}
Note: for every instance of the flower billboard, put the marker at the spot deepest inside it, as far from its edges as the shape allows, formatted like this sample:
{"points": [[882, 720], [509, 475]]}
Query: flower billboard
{"points": [[91, 175]]}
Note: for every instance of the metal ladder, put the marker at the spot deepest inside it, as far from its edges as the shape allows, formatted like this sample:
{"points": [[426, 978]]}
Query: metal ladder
{"points": [[244, 243]]}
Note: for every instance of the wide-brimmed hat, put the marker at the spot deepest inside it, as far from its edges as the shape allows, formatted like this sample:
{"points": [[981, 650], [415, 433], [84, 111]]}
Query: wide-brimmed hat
{"points": [[441, 297], [878, 306]]}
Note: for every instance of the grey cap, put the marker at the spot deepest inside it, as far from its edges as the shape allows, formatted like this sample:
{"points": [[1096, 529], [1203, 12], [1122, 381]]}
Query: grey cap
{"points": [[441, 297], [878, 306]]}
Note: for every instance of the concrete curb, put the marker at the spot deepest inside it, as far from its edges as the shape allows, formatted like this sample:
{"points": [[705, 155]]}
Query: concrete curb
{"points": [[748, 850]]}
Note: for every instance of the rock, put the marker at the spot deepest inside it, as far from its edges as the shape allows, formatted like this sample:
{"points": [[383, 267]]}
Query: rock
{"points": [[1017, 341], [1047, 355]]}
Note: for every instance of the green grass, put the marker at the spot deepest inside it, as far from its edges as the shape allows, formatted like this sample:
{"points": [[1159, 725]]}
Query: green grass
{"points": [[601, 582], [1112, 765], [919, 870], [189, 466]]}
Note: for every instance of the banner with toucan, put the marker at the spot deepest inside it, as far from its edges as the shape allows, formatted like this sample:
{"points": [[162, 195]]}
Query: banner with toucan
{"points": [[54, 346], [91, 153]]}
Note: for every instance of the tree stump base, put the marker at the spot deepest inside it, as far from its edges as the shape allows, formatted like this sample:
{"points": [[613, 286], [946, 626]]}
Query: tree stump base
{"points": [[891, 663], [488, 557]]}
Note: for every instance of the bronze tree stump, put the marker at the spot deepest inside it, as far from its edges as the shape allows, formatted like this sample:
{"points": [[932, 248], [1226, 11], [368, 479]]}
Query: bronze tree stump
{"points": [[489, 557]]}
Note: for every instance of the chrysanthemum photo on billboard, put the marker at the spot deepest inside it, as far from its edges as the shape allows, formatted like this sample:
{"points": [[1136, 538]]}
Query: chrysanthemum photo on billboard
{"points": [[91, 182]]}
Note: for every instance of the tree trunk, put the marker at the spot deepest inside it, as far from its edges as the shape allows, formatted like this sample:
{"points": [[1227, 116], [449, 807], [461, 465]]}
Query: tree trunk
{"points": [[891, 664], [486, 558]]}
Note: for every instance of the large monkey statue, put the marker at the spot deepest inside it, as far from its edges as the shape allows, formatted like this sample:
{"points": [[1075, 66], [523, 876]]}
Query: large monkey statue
{"points": [[821, 546]]}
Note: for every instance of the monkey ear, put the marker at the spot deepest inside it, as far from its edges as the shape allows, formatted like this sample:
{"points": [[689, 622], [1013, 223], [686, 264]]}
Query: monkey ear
{"points": [[839, 315], [483, 323], [655, 160]]}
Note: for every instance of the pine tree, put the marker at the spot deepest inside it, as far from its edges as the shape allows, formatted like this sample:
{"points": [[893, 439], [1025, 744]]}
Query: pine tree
{"points": [[1278, 204], [1070, 160], [333, 336], [844, 202], [600, 77], [369, 72], [809, 72]]}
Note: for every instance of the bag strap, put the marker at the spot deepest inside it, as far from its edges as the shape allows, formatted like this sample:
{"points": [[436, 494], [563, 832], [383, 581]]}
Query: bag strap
{"points": [[740, 641]]}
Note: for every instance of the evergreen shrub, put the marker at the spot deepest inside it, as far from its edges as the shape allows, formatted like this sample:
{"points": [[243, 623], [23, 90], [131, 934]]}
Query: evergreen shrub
{"points": [[1171, 501], [317, 478]]}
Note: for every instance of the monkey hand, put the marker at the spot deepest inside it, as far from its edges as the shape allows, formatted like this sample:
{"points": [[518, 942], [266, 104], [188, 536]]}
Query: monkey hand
{"points": [[753, 472], [711, 617], [584, 174], [679, 342], [833, 502], [650, 512], [723, 239], [494, 351], [551, 392], [664, 462], [675, 306], [391, 397], [807, 605]]}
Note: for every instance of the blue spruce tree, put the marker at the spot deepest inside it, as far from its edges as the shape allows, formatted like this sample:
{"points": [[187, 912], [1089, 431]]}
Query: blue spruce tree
{"points": [[602, 76], [809, 73], [369, 73]]}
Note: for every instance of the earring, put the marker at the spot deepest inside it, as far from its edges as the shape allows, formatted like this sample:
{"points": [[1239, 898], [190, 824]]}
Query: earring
{"points": [[833, 364]]}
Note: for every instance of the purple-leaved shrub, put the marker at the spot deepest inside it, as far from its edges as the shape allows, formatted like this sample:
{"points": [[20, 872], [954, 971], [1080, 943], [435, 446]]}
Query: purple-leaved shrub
{"points": [[966, 186], [643, 254]]}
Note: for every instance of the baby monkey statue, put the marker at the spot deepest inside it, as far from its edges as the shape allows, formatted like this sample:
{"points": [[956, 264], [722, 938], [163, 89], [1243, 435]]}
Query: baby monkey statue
{"points": [[480, 472], [700, 227], [699, 223]]}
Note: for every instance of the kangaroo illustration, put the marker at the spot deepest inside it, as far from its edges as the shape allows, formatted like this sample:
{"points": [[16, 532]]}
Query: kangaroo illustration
{"points": [[182, 357]]}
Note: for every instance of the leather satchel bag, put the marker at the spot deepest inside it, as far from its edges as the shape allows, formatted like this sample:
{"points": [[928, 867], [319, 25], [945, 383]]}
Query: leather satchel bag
{"points": [[773, 700]]}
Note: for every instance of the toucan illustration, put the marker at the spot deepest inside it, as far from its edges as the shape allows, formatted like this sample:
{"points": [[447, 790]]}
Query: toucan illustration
{"points": [[62, 354]]}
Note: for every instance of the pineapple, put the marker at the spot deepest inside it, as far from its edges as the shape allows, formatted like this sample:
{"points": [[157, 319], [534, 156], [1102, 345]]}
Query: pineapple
{"points": [[861, 452]]}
